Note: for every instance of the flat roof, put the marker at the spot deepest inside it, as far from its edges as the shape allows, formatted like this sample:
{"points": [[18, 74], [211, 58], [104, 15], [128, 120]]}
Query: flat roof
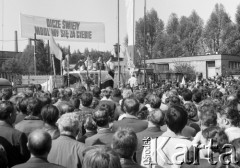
{"points": [[193, 58]]}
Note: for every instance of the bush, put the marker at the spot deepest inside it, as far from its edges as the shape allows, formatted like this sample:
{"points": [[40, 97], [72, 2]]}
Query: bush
{"points": [[186, 69]]}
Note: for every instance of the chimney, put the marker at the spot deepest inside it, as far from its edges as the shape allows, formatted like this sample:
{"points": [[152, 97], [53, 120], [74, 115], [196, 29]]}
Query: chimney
{"points": [[16, 42]]}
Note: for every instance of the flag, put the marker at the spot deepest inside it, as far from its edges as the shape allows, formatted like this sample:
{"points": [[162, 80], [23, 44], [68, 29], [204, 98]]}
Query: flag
{"points": [[130, 54], [54, 49], [197, 79], [48, 85], [183, 81], [130, 5]]}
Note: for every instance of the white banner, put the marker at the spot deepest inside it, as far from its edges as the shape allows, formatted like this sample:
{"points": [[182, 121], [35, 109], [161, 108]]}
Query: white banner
{"points": [[62, 29]]}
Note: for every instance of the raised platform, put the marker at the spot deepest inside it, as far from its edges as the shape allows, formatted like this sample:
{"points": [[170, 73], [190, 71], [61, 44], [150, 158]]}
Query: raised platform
{"points": [[94, 75]]}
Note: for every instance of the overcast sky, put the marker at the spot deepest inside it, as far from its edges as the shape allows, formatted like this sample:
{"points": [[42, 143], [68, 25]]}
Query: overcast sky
{"points": [[97, 11]]}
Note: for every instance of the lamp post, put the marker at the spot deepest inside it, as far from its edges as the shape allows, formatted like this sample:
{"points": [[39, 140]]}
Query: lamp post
{"points": [[117, 50]]}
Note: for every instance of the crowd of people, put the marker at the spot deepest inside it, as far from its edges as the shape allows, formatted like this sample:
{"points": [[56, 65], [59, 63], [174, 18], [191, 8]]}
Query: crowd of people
{"points": [[195, 124]]}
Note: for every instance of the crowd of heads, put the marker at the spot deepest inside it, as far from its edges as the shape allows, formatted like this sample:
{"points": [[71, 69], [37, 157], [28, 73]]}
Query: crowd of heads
{"points": [[211, 108]]}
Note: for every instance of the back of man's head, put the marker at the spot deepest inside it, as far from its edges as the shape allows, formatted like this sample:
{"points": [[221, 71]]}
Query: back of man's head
{"points": [[89, 123], [176, 118], [68, 124], [68, 92], [207, 113], [22, 105], [140, 96], [65, 108], [39, 143], [116, 92], [55, 92], [50, 114], [34, 106], [232, 115], [100, 157], [218, 95], [101, 117], [62, 95], [127, 93], [173, 100], [96, 91], [6, 93], [197, 97], [155, 101], [75, 102], [131, 106], [86, 99], [191, 110], [125, 143], [6, 110], [187, 95], [104, 106], [231, 101], [156, 117]]}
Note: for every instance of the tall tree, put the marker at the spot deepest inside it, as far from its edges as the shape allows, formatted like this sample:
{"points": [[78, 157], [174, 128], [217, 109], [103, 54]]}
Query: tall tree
{"points": [[231, 37], [153, 27], [218, 22], [172, 25], [190, 31], [42, 59], [24, 62], [75, 56], [238, 17], [173, 46]]}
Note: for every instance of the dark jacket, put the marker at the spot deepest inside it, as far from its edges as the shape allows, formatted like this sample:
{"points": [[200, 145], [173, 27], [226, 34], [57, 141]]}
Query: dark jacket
{"points": [[152, 132], [15, 144], [85, 136], [66, 151], [37, 163], [135, 124], [103, 137], [128, 163], [19, 118], [52, 130], [29, 124]]}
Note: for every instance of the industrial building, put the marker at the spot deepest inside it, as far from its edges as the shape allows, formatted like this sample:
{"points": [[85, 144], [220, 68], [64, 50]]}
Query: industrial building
{"points": [[208, 65]]}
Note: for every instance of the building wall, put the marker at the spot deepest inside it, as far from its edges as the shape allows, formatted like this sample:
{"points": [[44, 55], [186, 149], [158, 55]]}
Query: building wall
{"points": [[200, 62]]}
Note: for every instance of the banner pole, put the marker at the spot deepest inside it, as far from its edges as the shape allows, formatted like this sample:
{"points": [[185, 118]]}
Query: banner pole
{"points": [[54, 71], [68, 65], [87, 73], [100, 75]]}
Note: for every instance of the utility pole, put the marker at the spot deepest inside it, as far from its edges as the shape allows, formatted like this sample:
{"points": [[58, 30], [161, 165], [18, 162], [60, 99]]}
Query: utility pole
{"points": [[48, 52], [118, 46], [145, 47], [35, 63], [35, 52]]}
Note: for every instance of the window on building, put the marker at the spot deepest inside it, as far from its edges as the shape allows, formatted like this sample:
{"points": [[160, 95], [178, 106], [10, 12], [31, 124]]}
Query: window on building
{"points": [[162, 67], [233, 65]]}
